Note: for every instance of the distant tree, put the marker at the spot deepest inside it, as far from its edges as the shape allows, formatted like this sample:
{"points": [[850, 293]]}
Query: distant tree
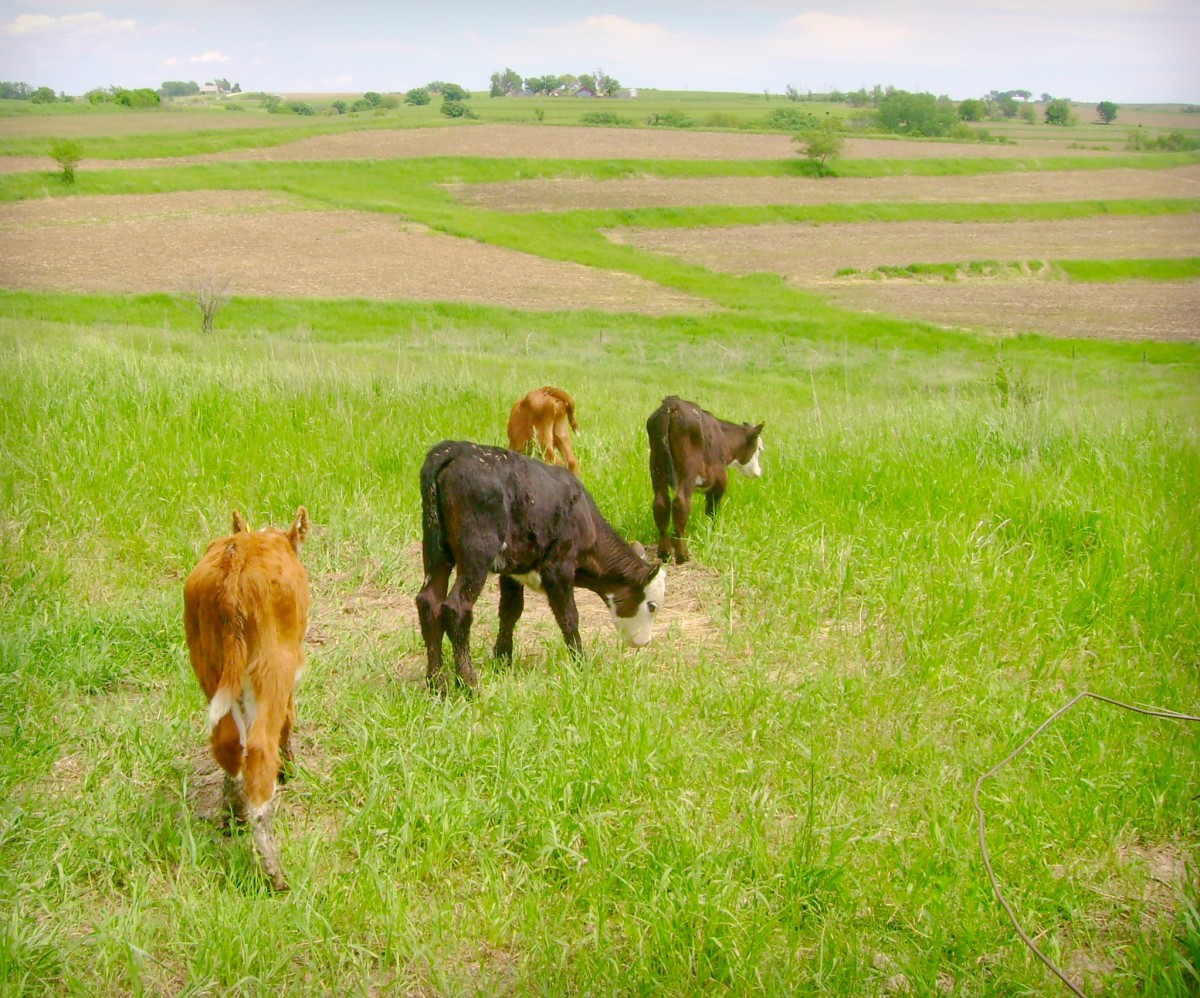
{"points": [[435, 87], [612, 86], [372, 98], [66, 153], [1045, 98], [452, 91], [1007, 105], [821, 144], [860, 98], [916, 114], [15, 91], [510, 81], [1028, 113], [1107, 111], [300, 107], [141, 97], [43, 95], [1058, 111], [339, 107], [791, 92], [417, 97], [237, 89], [548, 84], [1023, 94], [972, 109], [587, 81], [179, 88]]}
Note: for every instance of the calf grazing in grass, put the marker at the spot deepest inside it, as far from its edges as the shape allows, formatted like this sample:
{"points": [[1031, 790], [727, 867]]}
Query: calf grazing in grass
{"points": [[690, 449], [245, 610], [489, 510], [543, 416]]}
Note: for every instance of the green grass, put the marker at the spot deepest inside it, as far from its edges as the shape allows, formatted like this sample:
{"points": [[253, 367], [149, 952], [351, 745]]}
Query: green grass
{"points": [[947, 543], [1082, 271]]}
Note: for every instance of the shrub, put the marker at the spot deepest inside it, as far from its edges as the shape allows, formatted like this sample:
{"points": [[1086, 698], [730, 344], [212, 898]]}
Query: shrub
{"points": [[66, 153], [417, 97], [1058, 112], [604, 118], [457, 109], [821, 144], [791, 119], [670, 119], [916, 114]]}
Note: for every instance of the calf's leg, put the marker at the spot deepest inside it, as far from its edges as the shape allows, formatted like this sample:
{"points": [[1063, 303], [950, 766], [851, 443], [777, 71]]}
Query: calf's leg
{"points": [[458, 612], [562, 440], [560, 592], [429, 612], [512, 603], [681, 509]]}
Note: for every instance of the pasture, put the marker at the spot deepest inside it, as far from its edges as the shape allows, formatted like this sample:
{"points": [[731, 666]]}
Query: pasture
{"points": [[956, 531]]}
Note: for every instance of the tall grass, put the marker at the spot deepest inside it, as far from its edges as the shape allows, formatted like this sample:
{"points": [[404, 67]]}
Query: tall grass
{"points": [[945, 546]]}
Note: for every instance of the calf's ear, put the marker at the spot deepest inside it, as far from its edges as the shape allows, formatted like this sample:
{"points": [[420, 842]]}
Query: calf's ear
{"points": [[240, 526], [638, 549], [299, 532]]}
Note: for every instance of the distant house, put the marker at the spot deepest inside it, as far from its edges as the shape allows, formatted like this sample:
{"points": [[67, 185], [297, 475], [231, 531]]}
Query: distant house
{"points": [[210, 88], [627, 94], [585, 92]]}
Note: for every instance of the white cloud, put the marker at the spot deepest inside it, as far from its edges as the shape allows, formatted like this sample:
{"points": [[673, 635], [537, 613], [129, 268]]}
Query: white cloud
{"points": [[835, 34], [69, 25], [209, 57]]}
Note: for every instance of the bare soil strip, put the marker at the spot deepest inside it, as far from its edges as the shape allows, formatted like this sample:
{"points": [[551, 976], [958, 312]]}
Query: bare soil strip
{"points": [[1007, 188], [264, 246], [1131, 310], [810, 255]]}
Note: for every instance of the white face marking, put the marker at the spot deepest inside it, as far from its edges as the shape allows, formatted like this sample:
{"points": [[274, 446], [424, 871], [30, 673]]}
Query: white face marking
{"points": [[753, 467], [639, 629], [530, 580]]}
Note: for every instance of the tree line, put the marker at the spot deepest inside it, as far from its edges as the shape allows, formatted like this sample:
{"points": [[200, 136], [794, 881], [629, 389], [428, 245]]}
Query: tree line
{"points": [[510, 83]]}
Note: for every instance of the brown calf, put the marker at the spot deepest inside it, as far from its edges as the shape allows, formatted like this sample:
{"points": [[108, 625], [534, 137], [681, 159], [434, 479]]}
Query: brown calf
{"points": [[245, 610], [691, 449], [543, 416]]}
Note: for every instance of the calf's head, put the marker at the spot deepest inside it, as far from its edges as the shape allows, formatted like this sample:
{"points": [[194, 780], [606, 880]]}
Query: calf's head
{"points": [[747, 457], [633, 607]]}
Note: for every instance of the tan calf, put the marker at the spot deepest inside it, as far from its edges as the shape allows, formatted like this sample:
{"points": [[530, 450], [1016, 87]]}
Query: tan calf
{"points": [[245, 611], [544, 416]]}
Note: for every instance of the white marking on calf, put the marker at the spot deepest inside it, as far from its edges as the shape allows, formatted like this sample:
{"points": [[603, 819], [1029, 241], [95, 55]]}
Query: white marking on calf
{"points": [[530, 580], [639, 629], [753, 467]]}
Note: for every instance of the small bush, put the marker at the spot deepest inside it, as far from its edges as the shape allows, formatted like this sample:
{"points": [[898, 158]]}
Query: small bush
{"points": [[66, 153], [791, 119], [669, 119], [604, 118], [457, 109]]}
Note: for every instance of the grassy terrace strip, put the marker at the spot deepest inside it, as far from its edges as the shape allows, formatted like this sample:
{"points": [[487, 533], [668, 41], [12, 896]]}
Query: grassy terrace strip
{"points": [[816, 329], [1082, 271]]}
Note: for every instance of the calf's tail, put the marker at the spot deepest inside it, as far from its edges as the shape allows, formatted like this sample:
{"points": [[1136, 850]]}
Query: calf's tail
{"points": [[233, 637], [433, 534], [658, 429]]}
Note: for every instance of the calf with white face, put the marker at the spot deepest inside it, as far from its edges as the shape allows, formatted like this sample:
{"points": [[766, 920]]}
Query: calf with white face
{"points": [[690, 449], [487, 510]]}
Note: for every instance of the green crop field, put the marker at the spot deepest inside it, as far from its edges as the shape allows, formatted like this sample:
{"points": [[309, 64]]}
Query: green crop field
{"points": [[954, 535]]}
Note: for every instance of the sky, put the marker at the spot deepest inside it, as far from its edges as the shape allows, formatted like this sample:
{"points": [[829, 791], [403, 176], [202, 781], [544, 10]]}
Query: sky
{"points": [[1126, 51]]}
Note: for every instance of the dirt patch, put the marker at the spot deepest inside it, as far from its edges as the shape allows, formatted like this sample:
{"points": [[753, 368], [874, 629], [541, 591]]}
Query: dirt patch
{"points": [[810, 255], [1007, 188], [266, 246], [1131, 310], [685, 621]]}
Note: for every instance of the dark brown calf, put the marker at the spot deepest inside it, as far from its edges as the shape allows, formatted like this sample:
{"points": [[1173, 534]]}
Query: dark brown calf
{"points": [[487, 510], [245, 611], [690, 449]]}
